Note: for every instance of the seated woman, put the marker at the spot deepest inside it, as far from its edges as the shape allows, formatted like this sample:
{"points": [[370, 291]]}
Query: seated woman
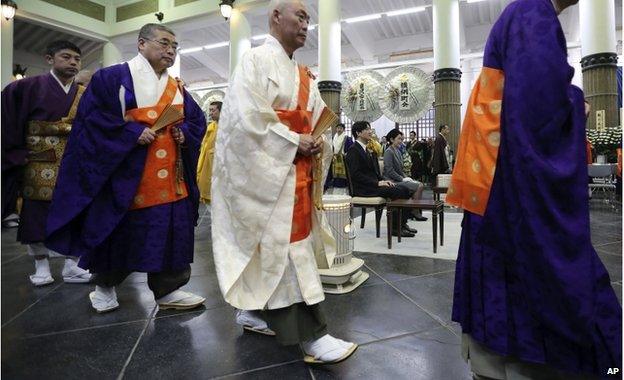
{"points": [[393, 168]]}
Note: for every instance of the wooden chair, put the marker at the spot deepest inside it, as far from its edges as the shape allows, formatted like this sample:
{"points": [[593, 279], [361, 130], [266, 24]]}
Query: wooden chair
{"points": [[377, 203]]}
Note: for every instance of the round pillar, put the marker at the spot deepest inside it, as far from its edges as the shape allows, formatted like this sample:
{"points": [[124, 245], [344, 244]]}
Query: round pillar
{"points": [[240, 37], [6, 36], [599, 62], [447, 75], [329, 51], [110, 55]]}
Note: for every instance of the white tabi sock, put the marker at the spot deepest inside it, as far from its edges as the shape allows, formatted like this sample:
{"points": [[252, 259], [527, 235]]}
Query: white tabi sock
{"points": [[70, 264], [42, 268], [105, 292]]}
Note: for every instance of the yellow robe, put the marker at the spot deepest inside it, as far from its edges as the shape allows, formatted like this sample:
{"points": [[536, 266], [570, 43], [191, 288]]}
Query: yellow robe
{"points": [[204, 166]]}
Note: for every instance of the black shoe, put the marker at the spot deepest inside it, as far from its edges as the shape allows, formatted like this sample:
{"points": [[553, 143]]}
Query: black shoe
{"points": [[409, 229], [404, 233], [420, 218]]}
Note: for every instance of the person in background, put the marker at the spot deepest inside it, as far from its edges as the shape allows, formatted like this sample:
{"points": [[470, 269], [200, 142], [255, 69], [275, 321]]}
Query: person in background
{"points": [[340, 144], [393, 169], [37, 116], [440, 158], [84, 77], [206, 154], [367, 180]]}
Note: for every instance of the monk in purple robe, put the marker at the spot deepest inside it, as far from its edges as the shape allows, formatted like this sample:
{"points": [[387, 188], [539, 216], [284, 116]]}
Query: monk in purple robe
{"points": [[127, 198], [533, 298], [37, 114]]}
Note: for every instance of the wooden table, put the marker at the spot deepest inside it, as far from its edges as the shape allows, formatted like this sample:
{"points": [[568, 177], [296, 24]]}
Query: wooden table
{"points": [[436, 207], [437, 191]]}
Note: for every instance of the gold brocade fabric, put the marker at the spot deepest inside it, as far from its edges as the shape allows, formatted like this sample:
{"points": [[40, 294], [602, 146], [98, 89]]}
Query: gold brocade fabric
{"points": [[46, 141], [338, 166], [375, 147]]}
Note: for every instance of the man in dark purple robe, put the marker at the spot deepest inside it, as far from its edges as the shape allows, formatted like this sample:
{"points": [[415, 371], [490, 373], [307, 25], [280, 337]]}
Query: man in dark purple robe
{"points": [[37, 113], [127, 198], [531, 294]]}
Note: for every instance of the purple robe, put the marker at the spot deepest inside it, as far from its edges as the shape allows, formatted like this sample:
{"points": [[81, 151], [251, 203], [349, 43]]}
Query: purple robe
{"points": [[528, 282], [98, 179], [35, 98]]}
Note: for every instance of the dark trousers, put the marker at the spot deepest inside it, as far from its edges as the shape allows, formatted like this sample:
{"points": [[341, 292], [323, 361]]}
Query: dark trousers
{"points": [[160, 283], [296, 323], [396, 192]]}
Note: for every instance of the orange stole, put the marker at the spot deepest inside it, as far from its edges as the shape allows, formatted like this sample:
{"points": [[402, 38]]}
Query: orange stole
{"points": [[478, 144], [158, 182], [299, 120]]}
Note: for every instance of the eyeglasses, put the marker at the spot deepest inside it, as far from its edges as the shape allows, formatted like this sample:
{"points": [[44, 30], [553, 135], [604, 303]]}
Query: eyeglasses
{"points": [[166, 44]]}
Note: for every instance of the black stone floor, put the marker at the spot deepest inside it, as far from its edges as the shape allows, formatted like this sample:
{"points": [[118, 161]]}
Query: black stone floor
{"points": [[400, 317]]}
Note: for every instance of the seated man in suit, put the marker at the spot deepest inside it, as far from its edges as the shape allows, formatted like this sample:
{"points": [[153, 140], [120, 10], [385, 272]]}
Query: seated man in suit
{"points": [[366, 178]]}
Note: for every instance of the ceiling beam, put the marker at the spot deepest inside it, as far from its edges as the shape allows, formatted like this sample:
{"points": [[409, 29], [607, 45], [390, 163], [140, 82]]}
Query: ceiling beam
{"points": [[360, 40], [420, 41], [204, 57]]}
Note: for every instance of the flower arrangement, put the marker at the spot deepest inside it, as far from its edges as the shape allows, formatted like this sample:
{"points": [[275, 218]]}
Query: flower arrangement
{"points": [[605, 142]]}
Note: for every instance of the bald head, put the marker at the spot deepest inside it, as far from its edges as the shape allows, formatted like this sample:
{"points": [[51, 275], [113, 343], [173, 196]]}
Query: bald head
{"points": [[83, 77], [288, 23]]}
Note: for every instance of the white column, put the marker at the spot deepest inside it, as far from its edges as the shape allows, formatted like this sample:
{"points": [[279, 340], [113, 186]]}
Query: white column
{"points": [[6, 45], [329, 46], [446, 34], [597, 20], [110, 55], [240, 37]]}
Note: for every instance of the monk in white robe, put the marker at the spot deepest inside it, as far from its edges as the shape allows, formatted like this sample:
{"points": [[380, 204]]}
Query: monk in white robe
{"points": [[267, 232]]}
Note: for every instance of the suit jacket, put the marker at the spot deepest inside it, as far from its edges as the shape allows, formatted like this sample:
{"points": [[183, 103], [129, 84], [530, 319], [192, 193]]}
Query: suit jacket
{"points": [[363, 171], [393, 165]]}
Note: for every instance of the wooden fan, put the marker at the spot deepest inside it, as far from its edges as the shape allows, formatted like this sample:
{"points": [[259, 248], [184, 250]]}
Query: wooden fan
{"points": [[170, 115], [327, 120]]}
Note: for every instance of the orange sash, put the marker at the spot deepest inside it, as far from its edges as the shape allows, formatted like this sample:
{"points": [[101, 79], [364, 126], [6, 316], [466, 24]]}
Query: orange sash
{"points": [[159, 183], [478, 144], [299, 120]]}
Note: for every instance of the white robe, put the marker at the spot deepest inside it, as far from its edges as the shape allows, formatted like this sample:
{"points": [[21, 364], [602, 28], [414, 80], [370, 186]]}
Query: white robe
{"points": [[253, 189], [338, 143]]}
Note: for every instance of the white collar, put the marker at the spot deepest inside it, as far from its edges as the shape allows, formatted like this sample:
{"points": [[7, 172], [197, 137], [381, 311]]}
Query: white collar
{"points": [[277, 46], [362, 145], [65, 88]]}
